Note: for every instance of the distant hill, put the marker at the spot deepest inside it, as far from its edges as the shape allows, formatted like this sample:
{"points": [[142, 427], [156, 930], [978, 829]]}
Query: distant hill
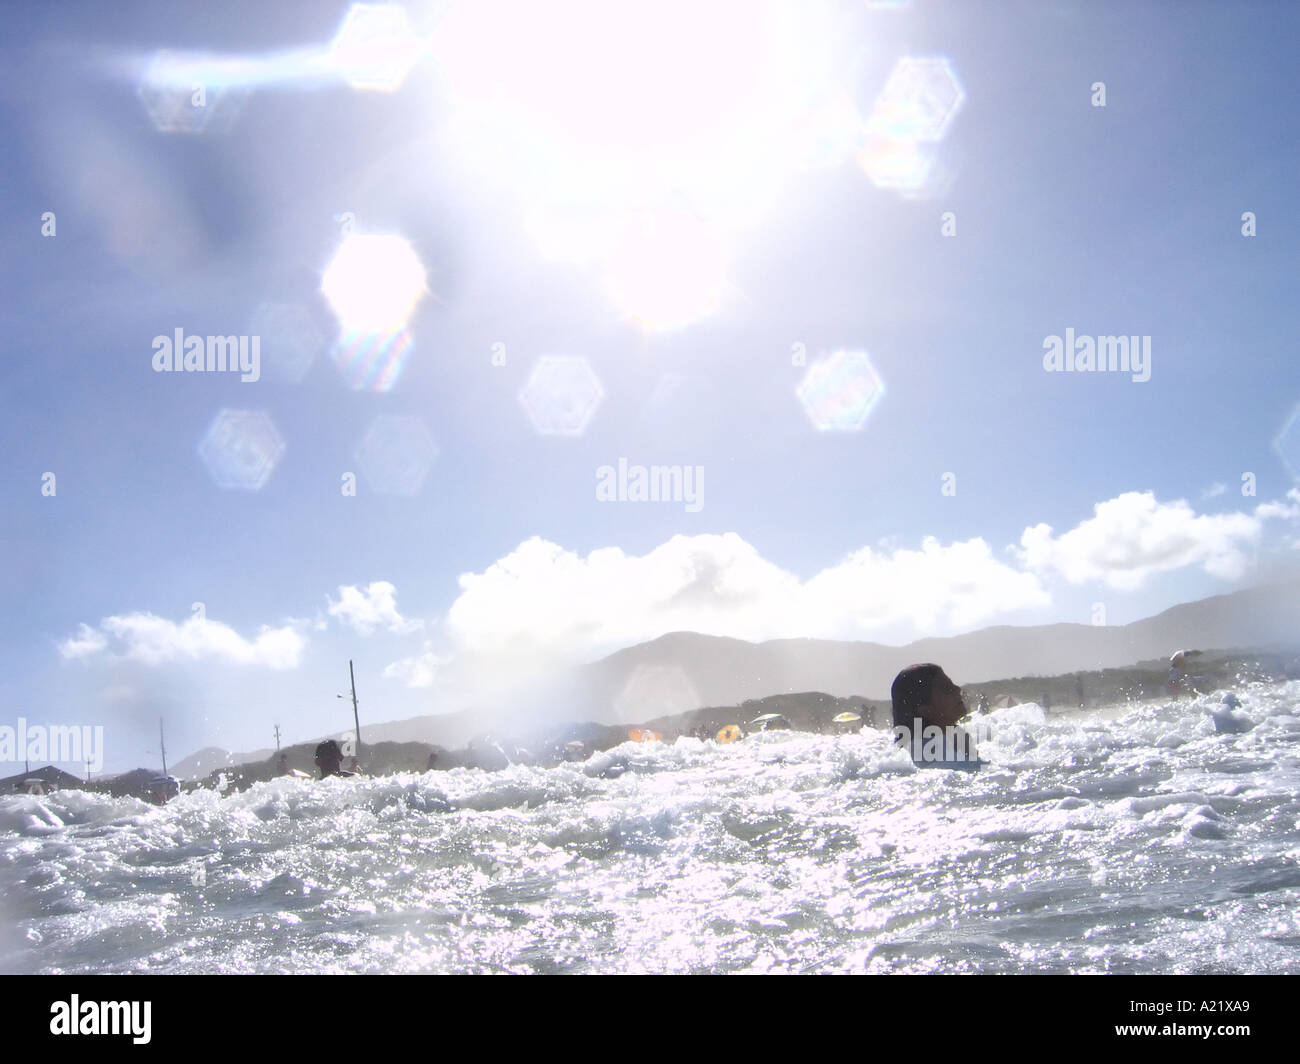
{"points": [[127, 785], [212, 757], [726, 671], [681, 672], [686, 671]]}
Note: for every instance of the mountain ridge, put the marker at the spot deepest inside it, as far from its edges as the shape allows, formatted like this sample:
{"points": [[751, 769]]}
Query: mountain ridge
{"points": [[680, 671]]}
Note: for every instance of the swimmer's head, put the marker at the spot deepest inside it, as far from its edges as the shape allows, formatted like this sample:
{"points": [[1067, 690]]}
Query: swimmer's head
{"points": [[925, 691], [329, 758]]}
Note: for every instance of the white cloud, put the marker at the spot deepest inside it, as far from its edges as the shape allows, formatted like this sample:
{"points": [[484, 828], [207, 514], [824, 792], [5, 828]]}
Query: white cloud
{"points": [[1133, 537], [1286, 511], [542, 599], [85, 644], [542, 596], [1214, 490], [418, 671], [155, 640], [955, 586], [369, 610]]}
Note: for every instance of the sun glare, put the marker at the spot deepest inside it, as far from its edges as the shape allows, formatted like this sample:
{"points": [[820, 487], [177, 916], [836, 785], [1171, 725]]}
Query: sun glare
{"points": [[646, 94], [667, 271], [637, 138]]}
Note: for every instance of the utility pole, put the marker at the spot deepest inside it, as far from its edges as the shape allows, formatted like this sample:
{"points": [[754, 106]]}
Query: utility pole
{"points": [[356, 719], [277, 738], [162, 746]]}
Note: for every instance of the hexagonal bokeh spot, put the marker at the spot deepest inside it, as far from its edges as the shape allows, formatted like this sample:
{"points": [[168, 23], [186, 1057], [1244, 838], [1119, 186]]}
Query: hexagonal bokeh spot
{"points": [[918, 102], [839, 391], [241, 449], [396, 454], [1287, 444], [561, 395], [375, 47], [288, 339], [654, 691], [182, 93], [374, 282]]}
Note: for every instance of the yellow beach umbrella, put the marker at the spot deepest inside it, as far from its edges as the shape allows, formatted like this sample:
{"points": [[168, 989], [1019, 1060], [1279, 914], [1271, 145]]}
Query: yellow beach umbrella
{"points": [[644, 735]]}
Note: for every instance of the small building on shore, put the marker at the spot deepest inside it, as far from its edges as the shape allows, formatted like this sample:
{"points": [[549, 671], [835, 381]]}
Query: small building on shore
{"points": [[40, 781]]}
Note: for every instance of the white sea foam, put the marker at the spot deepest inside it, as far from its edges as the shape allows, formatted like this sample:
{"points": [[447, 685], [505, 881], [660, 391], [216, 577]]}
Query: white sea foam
{"points": [[1089, 843]]}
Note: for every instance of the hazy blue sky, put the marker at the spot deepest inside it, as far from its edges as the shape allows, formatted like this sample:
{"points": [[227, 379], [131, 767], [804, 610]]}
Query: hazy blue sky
{"points": [[689, 204]]}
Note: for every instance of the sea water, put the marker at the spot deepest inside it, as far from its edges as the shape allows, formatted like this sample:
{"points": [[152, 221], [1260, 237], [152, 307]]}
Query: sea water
{"points": [[1150, 838]]}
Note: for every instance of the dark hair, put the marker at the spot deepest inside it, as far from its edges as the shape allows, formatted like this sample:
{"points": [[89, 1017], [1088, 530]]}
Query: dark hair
{"points": [[328, 747], [911, 690]]}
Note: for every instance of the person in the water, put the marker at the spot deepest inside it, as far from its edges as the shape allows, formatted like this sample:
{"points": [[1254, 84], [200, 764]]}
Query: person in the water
{"points": [[162, 789], [329, 759], [927, 706]]}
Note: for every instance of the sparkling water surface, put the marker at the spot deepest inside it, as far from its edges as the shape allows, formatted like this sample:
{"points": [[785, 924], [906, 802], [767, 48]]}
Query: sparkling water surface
{"points": [[1152, 838]]}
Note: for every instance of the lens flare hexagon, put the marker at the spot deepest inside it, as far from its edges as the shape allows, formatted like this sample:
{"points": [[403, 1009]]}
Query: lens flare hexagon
{"points": [[241, 449], [374, 282], [911, 114], [839, 391], [290, 339], [561, 395], [654, 691], [375, 48], [396, 454], [919, 101], [373, 285]]}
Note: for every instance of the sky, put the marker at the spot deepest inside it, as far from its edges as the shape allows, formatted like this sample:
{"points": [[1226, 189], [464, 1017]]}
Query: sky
{"points": [[817, 273]]}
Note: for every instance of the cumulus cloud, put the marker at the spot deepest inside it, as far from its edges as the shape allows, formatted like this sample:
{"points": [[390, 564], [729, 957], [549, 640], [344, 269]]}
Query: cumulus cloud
{"points": [[418, 671], [541, 595], [952, 586], [542, 598], [1133, 537], [1287, 509], [153, 640], [367, 611], [85, 644]]}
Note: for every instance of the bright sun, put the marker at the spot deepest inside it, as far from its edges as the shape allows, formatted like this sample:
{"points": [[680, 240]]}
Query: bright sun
{"points": [[637, 137]]}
